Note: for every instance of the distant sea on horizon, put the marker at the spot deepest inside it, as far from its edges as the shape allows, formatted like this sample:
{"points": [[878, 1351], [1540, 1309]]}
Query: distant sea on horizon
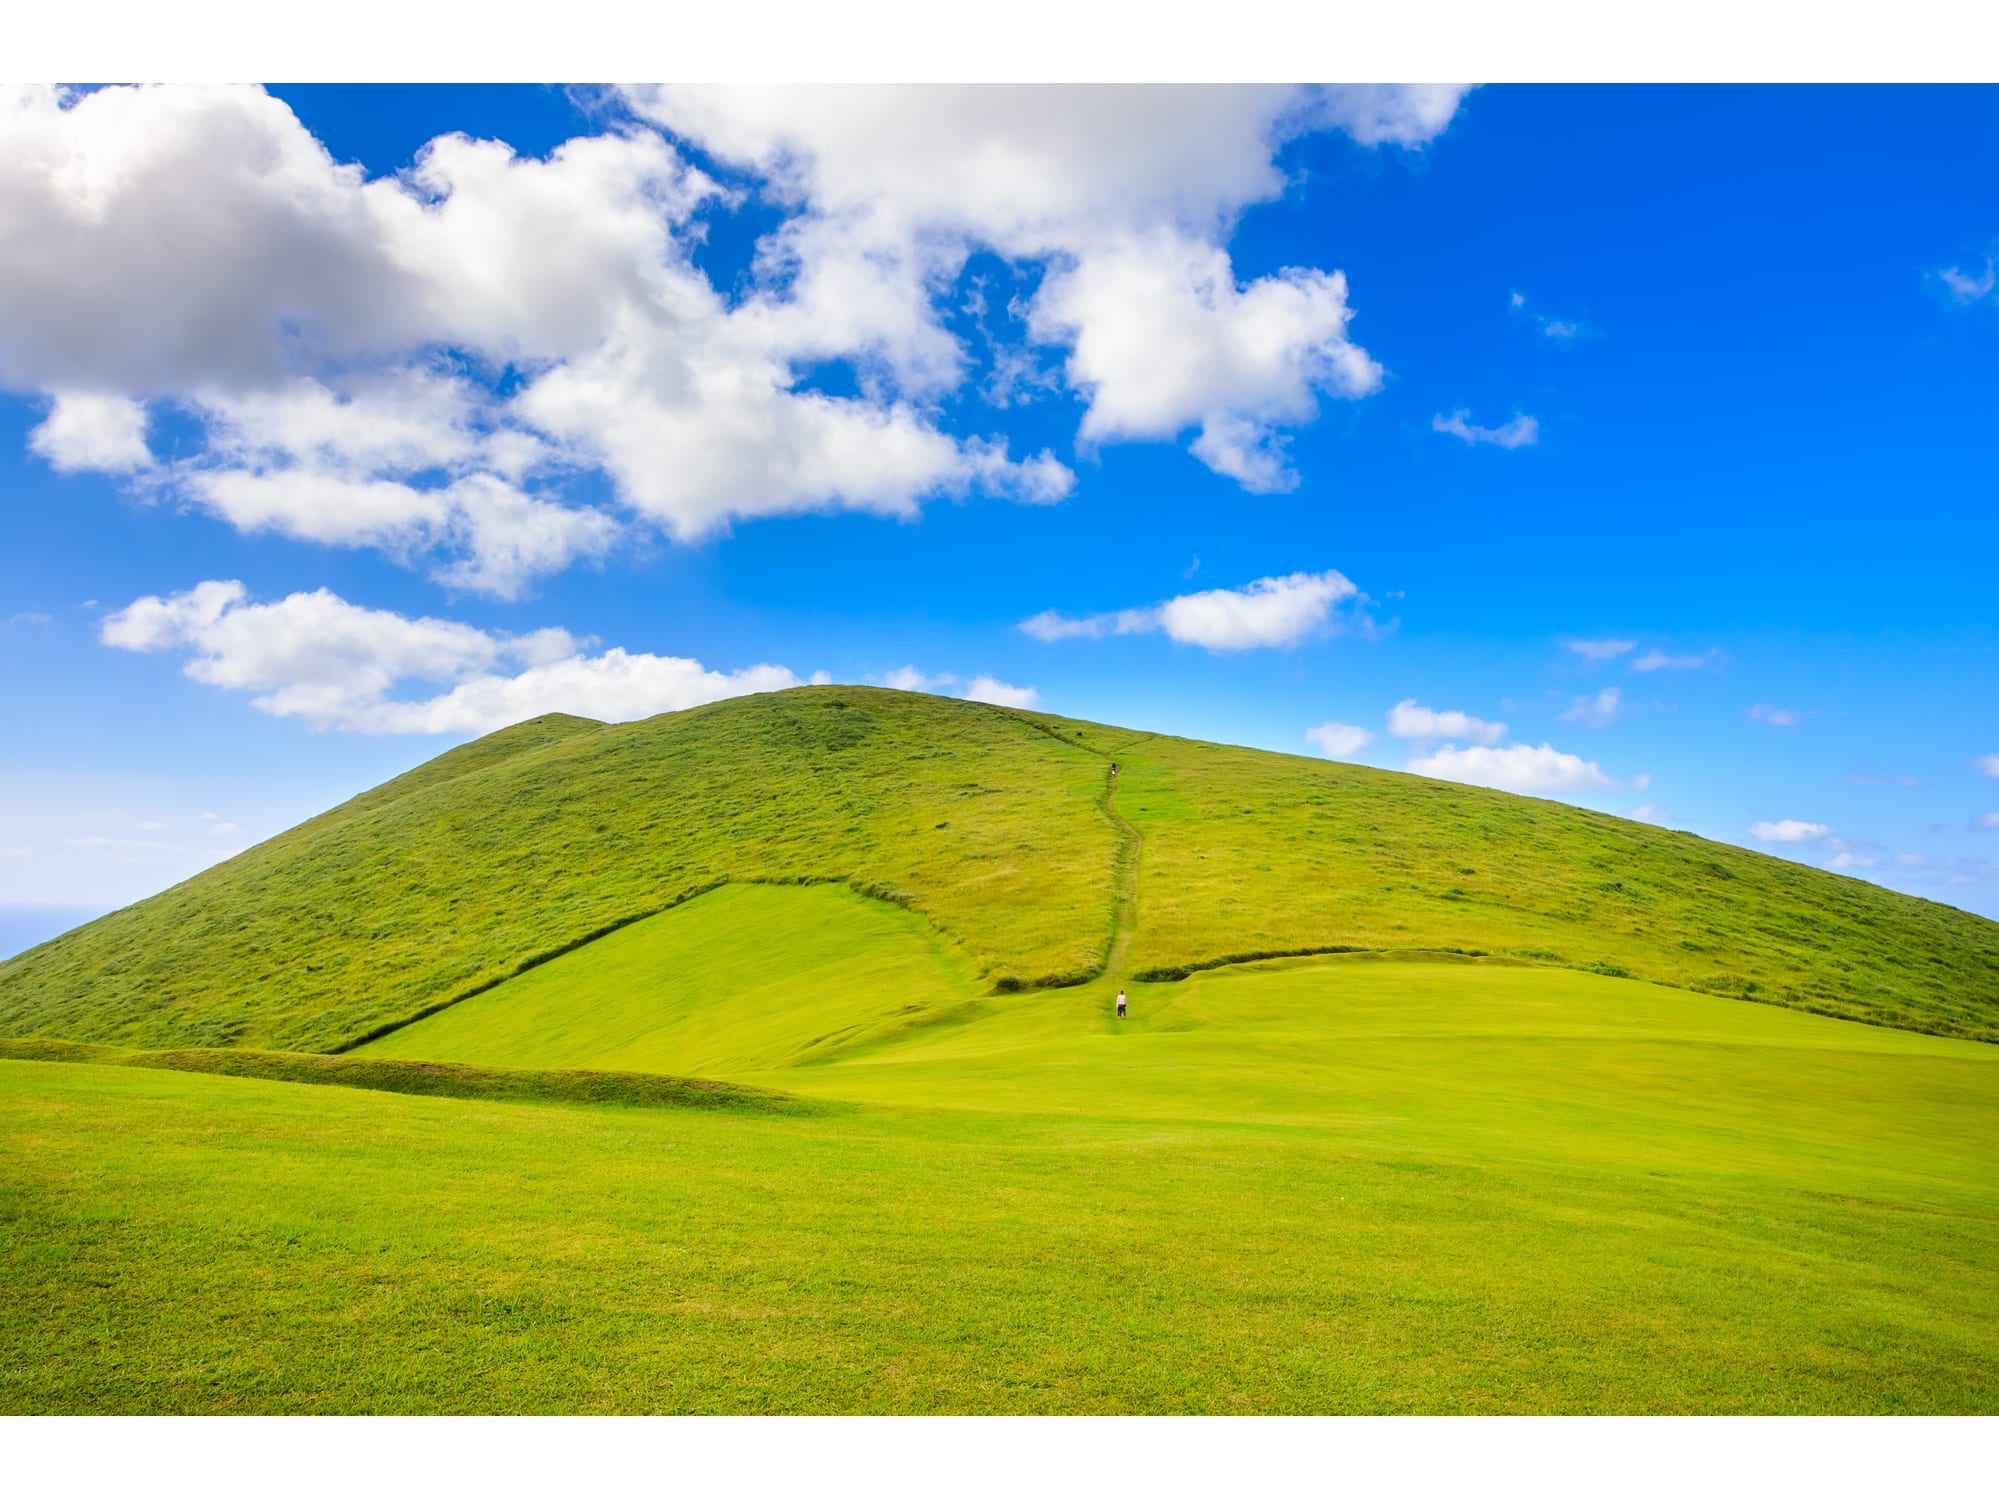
{"points": [[23, 927]]}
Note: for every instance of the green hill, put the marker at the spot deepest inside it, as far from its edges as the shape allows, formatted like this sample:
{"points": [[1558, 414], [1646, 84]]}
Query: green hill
{"points": [[762, 1058], [999, 828]]}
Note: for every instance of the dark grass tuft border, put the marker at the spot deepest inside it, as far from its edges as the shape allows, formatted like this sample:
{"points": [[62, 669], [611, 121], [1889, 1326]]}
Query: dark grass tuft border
{"points": [[432, 1079], [1173, 973]]}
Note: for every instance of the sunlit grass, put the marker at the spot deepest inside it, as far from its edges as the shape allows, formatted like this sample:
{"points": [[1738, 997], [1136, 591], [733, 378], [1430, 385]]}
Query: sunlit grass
{"points": [[1324, 1185]]}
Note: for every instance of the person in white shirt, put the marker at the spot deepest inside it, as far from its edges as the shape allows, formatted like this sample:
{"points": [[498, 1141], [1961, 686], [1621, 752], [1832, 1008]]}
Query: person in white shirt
{"points": [[1120, 1004]]}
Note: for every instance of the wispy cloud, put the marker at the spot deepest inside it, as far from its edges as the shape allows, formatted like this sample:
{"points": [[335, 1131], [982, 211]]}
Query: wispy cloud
{"points": [[984, 689], [1560, 329], [1789, 830], [1599, 711], [1521, 432], [909, 679], [1987, 765], [1969, 286], [99, 840], [1601, 650], [1409, 720], [1782, 718], [1908, 782], [1518, 767], [978, 689], [1338, 740], [1271, 612], [337, 665], [1658, 660]]}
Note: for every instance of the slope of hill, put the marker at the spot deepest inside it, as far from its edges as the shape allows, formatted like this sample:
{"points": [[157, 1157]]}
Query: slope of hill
{"points": [[999, 828]]}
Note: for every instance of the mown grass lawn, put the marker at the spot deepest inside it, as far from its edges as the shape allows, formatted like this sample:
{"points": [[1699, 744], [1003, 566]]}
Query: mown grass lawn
{"points": [[1317, 1186]]}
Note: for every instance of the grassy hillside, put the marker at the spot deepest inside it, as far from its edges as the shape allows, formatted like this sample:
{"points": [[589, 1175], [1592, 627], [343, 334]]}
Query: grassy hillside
{"points": [[998, 828], [1247, 852], [439, 883], [1332, 1184]]}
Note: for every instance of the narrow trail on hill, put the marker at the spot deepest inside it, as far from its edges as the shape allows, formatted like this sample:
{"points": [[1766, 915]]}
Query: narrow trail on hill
{"points": [[1124, 862], [1124, 879]]}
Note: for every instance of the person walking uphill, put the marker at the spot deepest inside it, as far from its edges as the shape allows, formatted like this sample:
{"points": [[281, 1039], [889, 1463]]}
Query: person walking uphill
{"points": [[1120, 1004]]}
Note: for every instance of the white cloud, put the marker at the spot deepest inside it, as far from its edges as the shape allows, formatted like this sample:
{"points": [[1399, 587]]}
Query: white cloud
{"points": [[1336, 741], [1269, 612], [1969, 286], [1163, 339], [84, 431], [1986, 820], [1126, 194], [229, 251], [1790, 830], [1597, 712], [979, 689], [1050, 626], [1986, 765], [1518, 767], [218, 829], [984, 689], [1658, 660], [1600, 650], [336, 665], [1848, 859], [1645, 812], [909, 679], [1407, 720], [1642, 781], [493, 538], [303, 313], [1520, 432], [1782, 718], [1405, 114]]}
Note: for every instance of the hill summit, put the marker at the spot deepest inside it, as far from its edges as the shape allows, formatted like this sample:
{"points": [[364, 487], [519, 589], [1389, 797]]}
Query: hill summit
{"points": [[1006, 831]]}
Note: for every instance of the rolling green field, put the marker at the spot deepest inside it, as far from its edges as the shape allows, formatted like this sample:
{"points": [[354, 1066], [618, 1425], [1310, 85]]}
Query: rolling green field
{"points": [[1328, 1185], [762, 1058]]}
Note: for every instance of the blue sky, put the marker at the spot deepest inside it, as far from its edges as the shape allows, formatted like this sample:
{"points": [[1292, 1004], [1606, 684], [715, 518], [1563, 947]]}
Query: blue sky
{"points": [[1631, 446]]}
